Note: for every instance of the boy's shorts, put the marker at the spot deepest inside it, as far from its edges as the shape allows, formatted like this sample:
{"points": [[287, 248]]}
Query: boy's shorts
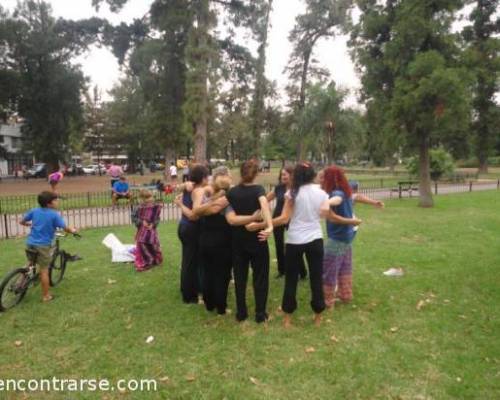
{"points": [[43, 255]]}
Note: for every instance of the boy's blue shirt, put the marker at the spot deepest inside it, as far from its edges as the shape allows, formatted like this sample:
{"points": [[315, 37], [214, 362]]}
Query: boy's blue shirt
{"points": [[120, 187], [44, 222]]}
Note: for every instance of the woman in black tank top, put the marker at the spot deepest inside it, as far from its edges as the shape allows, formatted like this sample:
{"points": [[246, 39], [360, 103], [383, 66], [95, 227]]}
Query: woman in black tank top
{"points": [[215, 245]]}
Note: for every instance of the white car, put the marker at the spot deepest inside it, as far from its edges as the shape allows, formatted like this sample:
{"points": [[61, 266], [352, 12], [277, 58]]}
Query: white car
{"points": [[93, 169]]}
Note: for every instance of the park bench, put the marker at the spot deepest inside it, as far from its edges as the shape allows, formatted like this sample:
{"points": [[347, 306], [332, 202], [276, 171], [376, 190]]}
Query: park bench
{"points": [[405, 186]]}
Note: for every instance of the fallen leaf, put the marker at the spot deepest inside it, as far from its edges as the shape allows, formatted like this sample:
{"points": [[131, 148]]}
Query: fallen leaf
{"points": [[310, 349], [334, 338], [111, 281], [18, 343], [462, 316], [190, 378], [420, 304], [254, 380], [459, 379], [150, 339], [394, 329], [128, 327], [164, 379], [446, 301]]}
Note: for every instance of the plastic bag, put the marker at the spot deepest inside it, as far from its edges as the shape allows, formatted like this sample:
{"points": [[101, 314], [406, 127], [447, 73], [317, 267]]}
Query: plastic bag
{"points": [[119, 252]]}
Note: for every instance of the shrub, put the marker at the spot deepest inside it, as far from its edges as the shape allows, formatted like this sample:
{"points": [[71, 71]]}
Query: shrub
{"points": [[441, 164]]}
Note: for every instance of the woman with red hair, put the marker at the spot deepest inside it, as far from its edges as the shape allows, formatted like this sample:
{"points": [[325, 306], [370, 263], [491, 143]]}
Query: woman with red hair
{"points": [[337, 261]]}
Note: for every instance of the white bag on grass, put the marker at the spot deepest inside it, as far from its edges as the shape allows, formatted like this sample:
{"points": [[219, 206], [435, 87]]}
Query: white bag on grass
{"points": [[119, 252]]}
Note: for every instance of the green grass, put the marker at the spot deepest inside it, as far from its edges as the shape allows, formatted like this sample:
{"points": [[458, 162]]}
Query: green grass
{"points": [[449, 349]]}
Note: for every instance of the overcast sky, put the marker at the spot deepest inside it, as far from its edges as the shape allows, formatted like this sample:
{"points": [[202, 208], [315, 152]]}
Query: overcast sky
{"points": [[101, 66]]}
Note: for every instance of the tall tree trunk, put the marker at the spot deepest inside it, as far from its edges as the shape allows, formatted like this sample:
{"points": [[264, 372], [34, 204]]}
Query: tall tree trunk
{"points": [[260, 83], [302, 100], [424, 174], [483, 162], [201, 81]]}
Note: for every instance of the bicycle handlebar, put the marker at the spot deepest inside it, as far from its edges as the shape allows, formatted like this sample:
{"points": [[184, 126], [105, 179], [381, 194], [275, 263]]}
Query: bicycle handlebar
{"points": [[63, 234]]}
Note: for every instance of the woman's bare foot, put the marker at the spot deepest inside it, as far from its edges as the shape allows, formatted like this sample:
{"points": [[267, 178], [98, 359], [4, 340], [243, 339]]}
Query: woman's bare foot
{"points": [[317, 319], [287, 321], [47, 298]]}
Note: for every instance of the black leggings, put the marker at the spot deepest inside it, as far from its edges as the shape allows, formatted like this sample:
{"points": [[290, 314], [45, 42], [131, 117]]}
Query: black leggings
{"points": [[314, 255], [279, 241], [217, 263], [257, 255], [190, 271]]}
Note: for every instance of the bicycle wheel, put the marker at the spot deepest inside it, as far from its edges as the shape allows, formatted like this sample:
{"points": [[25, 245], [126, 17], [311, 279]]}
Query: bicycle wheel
{"points": [[57, 268], [13, 288]]}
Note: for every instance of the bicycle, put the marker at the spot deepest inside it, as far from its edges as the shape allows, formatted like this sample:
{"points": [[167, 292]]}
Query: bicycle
{"points": [[16, 283]]}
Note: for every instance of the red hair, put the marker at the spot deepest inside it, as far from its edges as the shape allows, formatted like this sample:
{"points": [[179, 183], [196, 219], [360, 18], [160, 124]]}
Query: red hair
{"points": [[335, 179]]}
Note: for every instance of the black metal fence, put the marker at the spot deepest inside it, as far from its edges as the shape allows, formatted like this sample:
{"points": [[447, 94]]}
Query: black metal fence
{"points": [[89, 215]]}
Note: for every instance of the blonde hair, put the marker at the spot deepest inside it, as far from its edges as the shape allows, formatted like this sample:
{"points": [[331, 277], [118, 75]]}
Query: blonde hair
{"points": [[145, 195], [222, 182]]}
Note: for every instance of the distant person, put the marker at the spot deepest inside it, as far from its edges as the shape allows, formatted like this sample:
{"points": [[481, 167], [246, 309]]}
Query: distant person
{"points": [[54, 179], [185, 171], [121, 190], [173, 172], [43, 222], [24, 169], [114, 172], [146, 218]]}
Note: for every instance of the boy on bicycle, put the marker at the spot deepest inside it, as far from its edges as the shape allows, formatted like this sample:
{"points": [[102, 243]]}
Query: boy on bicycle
{"points": [[44, 221]]}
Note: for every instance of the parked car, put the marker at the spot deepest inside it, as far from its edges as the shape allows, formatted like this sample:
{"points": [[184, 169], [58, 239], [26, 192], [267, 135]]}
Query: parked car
{"points": [[93, 169], [37, 171]]}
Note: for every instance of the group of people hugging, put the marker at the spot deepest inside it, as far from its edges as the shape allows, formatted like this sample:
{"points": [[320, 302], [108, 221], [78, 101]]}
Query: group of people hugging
{"points": [[224, 231]]}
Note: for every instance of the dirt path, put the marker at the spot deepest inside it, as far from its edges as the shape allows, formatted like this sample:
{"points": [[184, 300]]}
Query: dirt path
{"points": [[108, 216]]}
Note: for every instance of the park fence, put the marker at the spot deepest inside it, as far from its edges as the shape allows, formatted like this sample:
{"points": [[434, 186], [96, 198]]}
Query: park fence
{"points": [[98, 212]]}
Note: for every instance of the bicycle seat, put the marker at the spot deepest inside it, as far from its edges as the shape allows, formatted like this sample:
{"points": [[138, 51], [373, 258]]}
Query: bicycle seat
{"points": [[31, 255]]}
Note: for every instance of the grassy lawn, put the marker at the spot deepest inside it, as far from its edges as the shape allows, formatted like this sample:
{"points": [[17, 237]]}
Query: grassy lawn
{"points": [[385, 347]]}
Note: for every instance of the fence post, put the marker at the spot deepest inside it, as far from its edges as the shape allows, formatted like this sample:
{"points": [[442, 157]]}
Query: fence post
{"points": [[435, 187], [381, 182], [6, 226], [88, 199], [400, 191], [498, 184], [470, 186]]}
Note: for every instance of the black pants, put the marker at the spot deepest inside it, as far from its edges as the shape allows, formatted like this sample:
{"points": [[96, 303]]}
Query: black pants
{"points": [[217, 264], [314, 255], [279, 241], [256, 255], [190, 271]]}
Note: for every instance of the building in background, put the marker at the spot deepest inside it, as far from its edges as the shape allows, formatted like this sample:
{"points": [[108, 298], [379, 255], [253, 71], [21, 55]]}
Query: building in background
{"points": [[12, 157]]}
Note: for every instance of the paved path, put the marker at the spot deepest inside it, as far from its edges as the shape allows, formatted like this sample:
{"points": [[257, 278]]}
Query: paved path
{"points": [[107, 216]]}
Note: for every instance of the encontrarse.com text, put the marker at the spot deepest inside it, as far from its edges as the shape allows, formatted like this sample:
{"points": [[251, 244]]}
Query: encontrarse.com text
{"points": [[77, 385]]}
